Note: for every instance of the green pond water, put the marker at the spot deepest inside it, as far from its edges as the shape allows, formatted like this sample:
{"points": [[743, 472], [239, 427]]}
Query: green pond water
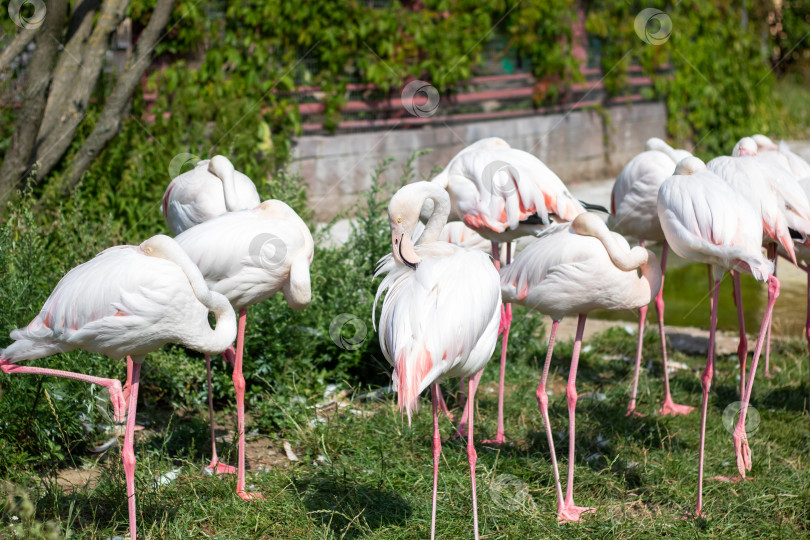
{"points": [[686, 295]]}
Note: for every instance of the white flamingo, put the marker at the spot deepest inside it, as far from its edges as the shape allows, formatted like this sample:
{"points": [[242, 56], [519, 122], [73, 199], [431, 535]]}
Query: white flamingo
{"points": [[503, 193], [782, 155], [440, 316], [204, 193], [128, 300], [574, 269], [706, 220], [248, 256], [633, 213]]}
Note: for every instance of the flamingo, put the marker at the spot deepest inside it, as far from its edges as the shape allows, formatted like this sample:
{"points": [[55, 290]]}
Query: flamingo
{"points": [[128, 300], [789, 203], [633, 212], [503, 193], [440, 315], [204, 193], [782, 155], [706, 220], [209, 190], [248, 256], [573, 269]]}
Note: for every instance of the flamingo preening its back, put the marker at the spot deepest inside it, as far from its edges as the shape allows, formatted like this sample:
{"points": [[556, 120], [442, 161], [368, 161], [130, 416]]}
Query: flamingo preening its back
{"points": [[573, 269], [126, 302], [439, 318]]}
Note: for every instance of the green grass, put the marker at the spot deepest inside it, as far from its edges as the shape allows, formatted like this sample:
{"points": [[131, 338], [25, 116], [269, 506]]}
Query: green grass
{"points": [[369, 475]]}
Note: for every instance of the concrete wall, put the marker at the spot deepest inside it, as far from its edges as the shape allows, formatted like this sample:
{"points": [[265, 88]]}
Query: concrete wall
{"points": [[575, 145]]}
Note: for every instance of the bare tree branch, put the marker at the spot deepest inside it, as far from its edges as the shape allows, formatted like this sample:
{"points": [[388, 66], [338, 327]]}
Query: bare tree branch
{"points": [[68, 117], [110, 120], [17, 45], [37, 79], [64, 74]]}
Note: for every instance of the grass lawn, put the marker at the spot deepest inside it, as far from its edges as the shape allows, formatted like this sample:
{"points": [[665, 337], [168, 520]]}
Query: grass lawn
{"points": [[364, 472]]}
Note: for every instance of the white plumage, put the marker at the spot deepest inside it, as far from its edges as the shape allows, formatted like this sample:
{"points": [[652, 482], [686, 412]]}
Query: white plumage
{"points": [[210, 189]]}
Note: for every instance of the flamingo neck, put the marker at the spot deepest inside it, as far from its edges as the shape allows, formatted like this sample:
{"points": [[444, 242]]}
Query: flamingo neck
{"points": [[438, 219]]}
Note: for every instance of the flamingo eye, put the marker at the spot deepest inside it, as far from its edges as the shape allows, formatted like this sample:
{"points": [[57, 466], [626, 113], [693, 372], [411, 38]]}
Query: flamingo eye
{"points": [[399, 220]]}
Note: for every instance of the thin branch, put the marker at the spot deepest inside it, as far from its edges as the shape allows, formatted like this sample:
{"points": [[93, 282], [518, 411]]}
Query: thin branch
{"points": [[17, 45]]}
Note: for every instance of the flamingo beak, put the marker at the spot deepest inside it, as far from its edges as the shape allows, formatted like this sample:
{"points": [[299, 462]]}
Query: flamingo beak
{"points": [[402, 247]]}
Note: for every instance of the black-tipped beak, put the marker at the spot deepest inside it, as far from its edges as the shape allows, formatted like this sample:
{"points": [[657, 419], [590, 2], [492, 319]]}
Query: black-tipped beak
{"points": [[594, 207]]}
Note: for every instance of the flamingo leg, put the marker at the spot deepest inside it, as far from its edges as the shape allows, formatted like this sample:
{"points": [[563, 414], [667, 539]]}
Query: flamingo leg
{"points": [[631, 407], [506, 323], [127, 453], [112, 385], [443, 406], [706, 383], [437, 452], [215, 467], [741, 447], [239, 386], [542, 401], [807, 318], [472, 456], [571, 512], [462, 425], [669, 407], [772, 255], [128, 384], [742, 348]]}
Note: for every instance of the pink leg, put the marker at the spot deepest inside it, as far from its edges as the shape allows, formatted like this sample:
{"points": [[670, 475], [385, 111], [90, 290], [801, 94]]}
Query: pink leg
{"points": [[462, 393], [807, 318], [669, 407], [437, 452], [239, 386], [127, 453], [506, 323], [462, 425], [742, 348], [772, 254], [542, 401], [472, 457], [128, 384], [631, 407], [706, 382], [112, 385], [571, 512], [443, 407], [741, 447], [215, 467]]}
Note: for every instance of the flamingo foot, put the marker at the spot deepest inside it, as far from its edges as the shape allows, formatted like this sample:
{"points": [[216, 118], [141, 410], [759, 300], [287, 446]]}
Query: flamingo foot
{"points": [[248, 496], [731, 479], [670, 408], [632, 412], [460, 433], [500, 438], [572, 513], [229, 355], [768, 375], [217, 468], [743, 451], [119, 402]]}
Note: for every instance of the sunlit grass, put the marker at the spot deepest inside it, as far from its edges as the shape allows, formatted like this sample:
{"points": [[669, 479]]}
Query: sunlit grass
{"points": [[366, 473]]}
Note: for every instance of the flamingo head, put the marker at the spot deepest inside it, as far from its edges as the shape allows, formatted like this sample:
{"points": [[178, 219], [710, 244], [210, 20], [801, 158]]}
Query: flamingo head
{"points": [[764, 144], [403, 214], [745, 147], [689, 165]]}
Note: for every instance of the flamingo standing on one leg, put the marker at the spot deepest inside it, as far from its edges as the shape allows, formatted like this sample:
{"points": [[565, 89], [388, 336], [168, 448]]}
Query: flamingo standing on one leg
{"points": [[440, 315], [128, 300], [504, 193], [633, 212], [209, 190], [574, 269], [706, 220], [249, 256]]}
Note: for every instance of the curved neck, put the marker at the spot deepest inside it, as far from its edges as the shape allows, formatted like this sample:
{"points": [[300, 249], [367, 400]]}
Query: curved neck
{"points": [[662, 146], [651, 274], [222, 168], [212, 341], [589, 225], [438, 219]]}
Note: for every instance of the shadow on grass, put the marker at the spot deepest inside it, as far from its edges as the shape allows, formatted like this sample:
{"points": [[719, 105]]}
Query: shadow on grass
{"points": [[350, 509]]}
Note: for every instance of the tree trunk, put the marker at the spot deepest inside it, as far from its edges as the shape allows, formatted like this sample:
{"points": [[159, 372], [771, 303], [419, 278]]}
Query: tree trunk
{"points": [[17, 45], [52, 144], [110, 119], [37, 79]]}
